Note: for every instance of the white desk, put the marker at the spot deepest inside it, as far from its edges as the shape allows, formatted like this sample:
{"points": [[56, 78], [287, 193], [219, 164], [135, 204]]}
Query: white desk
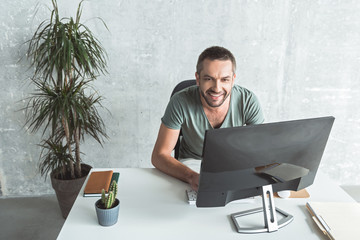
{"points": [[154, 206]]}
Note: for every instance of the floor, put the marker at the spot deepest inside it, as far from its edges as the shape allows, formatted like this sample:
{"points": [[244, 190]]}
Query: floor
{"points": [[40, 217], [30, 218]]}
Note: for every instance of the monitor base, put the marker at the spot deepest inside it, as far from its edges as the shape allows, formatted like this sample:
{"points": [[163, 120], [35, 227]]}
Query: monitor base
{"points": [[269, 210]]}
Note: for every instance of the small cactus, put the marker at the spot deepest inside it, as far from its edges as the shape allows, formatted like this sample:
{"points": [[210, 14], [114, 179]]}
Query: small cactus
{"points": [[103, 197], [109, 200], [114, 188]]}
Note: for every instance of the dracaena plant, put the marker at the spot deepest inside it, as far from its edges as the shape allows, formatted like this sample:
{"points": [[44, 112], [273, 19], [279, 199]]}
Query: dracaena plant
{"points": [[66, 58]]}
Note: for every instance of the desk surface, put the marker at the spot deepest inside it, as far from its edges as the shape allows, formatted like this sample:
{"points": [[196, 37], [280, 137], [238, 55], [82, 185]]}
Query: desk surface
{"points": [[154, 206]]}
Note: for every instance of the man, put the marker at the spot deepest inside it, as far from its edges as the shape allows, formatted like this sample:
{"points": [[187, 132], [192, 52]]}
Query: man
{"points": [[213, 103]]}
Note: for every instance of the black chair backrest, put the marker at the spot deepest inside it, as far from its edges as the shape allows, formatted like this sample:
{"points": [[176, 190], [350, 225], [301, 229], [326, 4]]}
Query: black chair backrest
{"points": [[180, 86]]}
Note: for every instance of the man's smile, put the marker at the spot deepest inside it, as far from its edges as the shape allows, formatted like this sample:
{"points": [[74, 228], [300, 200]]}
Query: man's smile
{"points": [[215, 96]]}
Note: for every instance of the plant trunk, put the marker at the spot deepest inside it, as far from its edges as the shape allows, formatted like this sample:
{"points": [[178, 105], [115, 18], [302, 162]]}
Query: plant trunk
{"points": [[77, 152], [68, 140], [63, 169]]}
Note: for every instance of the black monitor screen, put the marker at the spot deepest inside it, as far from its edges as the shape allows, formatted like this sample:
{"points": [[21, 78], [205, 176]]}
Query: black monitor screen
{"points": [[238, 161]]}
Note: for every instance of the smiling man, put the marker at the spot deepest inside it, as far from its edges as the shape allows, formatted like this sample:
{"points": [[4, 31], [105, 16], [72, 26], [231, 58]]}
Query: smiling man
{"points": [[215, 102]]}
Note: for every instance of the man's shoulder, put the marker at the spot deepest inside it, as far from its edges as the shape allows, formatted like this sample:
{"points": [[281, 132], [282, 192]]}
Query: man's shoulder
{"points": [[242, 91], [246, 102]]}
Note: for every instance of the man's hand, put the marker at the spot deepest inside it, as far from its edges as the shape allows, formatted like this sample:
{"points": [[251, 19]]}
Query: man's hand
{"points": [[194, 181]]}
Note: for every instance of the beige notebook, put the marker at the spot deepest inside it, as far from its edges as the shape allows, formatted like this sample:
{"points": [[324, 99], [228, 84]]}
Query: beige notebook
{"points": [[337, 220]]}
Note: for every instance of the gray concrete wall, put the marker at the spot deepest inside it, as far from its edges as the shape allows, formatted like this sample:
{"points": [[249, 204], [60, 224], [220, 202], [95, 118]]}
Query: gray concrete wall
{"points": [[301, 58]]}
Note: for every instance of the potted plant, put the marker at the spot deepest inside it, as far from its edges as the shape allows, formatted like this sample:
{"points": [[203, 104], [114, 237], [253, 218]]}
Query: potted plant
{"points": [[66, 58], [107, 207]]}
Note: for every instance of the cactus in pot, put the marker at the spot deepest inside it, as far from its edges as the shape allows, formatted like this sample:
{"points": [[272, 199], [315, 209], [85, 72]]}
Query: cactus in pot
{"points": [[107, 208]]}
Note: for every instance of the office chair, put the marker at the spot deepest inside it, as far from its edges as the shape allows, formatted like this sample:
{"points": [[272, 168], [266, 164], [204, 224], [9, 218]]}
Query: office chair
{"points": [[180, 86]]}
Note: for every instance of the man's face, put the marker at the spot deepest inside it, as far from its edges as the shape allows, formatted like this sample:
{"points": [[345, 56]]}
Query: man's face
{"points": [[215, 81]]}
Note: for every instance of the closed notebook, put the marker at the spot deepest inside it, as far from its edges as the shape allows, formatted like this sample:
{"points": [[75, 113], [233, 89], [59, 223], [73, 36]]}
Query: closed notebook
{"points": [[337, 220], [98, 181]]}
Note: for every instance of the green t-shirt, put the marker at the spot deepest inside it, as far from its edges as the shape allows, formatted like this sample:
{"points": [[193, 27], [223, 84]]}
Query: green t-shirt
{"points": [[185, 111]]}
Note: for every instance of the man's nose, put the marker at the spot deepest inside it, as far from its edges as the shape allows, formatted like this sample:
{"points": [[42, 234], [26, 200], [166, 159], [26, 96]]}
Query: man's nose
{"points": [[217, 85]]}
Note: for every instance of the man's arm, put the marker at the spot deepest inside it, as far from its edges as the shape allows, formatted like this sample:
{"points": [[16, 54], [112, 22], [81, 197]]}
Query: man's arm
{"points": [[161, 157]]}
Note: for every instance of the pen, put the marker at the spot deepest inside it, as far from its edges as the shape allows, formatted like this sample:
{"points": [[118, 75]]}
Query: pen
{"points": [[321, 220]]}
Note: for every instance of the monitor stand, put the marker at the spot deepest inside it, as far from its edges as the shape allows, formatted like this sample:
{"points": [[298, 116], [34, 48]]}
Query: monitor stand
{"points": [[269, 210]]}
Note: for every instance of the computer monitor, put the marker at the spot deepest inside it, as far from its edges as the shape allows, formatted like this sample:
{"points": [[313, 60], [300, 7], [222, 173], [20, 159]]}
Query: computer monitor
{"points": [[253, 160]]}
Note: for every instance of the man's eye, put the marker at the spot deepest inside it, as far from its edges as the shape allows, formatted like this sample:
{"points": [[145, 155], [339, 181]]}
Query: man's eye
{"points": [[226, 79], [207, 79]]}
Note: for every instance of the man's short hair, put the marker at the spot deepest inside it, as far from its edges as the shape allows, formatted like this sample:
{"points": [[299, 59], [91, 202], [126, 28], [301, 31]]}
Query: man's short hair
{"points": [[215, 53]]}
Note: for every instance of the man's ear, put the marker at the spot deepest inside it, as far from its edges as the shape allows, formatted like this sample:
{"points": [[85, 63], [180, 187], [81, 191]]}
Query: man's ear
{"points": [[197, 76]]}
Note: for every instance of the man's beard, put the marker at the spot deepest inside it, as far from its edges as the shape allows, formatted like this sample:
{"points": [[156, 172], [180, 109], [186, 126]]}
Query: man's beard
{"points": [[209, 101]]}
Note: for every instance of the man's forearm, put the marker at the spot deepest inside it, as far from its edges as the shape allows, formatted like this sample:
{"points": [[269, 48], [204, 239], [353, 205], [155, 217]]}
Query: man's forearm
{"points": [[174, 168]]}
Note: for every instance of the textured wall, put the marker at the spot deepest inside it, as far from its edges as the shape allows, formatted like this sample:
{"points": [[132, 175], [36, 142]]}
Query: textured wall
{"points": [[301, 58]]}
